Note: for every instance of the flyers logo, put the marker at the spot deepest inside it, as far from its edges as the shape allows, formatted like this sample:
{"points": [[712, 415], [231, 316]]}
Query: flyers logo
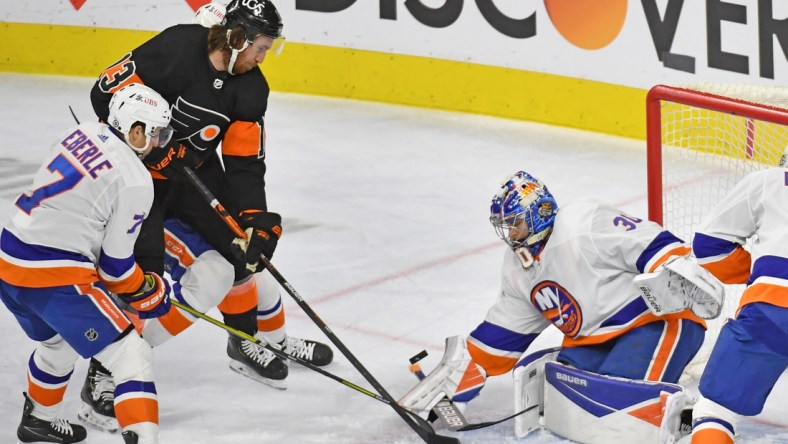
{"points": [[558, 306], [120, 74], [200, 126]]}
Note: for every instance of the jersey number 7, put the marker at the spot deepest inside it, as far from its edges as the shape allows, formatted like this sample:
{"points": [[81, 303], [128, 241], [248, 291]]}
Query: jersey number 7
{"points": [[69, 178]]}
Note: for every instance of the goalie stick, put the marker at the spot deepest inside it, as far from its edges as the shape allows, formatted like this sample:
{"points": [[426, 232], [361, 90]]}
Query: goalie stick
{"points": [[278, 352], [448, 411], [419, 425]]}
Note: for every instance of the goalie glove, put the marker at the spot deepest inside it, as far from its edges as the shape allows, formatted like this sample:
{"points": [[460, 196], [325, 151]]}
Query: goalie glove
{"points": [[456, 377], [152, 299], [679, 284]]}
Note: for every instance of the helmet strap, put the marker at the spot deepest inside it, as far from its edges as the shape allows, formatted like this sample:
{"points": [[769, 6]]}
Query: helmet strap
{"points": [[234, 53]]}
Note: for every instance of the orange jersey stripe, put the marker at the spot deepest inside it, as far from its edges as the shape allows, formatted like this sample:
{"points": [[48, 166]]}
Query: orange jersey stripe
{"points": [[45, 396], [46, 277], [765, 292], [240, 299], [128, 285], [642, 320], [137, 410], [733, 268], [492, 364], [243, 139], [670, 338], [106, 305]]}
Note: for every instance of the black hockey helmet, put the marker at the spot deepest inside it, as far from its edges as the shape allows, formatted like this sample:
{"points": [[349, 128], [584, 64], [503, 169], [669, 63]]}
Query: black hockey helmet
{"points": [[257, 17]]}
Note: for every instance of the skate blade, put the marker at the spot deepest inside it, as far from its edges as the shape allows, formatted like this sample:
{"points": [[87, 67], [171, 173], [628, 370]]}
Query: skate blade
{"points": [[96, 420], [279, 384]]}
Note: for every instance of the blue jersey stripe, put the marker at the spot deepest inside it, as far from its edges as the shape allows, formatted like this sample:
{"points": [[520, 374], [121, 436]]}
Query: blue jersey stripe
{"points": [[115, 267], [14, 247], [771, 266], [707, 246], [502, 339], [630, 311], [662, 240]]}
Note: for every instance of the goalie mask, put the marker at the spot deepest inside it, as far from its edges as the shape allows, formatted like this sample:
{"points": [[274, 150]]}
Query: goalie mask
{"points": [[523, 213], [138, 103]]}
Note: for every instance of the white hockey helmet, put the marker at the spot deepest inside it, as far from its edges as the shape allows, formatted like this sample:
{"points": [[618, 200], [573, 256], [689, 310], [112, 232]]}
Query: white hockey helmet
{"points": [[138, 103]]}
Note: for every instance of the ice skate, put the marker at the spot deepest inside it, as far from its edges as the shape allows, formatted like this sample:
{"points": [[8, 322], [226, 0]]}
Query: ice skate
{"points": [[34, 430], [98, 399], [254, 361], [314, 352], [130, 437]]}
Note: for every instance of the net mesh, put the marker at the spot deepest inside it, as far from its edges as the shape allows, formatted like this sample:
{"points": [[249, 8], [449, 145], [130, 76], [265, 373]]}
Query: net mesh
{"points": [[704, 154]]}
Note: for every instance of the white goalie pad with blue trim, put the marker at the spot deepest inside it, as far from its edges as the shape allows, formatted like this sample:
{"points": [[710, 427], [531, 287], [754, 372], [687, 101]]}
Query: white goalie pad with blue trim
{"points": [[529, 386], [594, 409]]}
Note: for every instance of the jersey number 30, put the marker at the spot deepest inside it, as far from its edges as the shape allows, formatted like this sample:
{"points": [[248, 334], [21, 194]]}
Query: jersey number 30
{"points": [[69, 178]]}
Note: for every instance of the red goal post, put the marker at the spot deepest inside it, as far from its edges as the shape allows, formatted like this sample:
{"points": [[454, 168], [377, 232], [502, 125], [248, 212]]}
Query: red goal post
{"points": [[739, 128], [701, 140]]}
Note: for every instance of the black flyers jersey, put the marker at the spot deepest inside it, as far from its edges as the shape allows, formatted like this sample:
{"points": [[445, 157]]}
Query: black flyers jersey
{"points": [[208, 107]]}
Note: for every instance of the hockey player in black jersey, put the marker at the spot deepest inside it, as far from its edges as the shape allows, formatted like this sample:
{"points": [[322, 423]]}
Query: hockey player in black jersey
{"points": [[219, 95]]}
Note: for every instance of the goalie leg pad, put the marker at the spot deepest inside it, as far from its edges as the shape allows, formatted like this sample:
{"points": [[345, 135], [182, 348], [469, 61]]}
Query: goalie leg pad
{"points": [[529, 389], [590, 408], [456, 377]]}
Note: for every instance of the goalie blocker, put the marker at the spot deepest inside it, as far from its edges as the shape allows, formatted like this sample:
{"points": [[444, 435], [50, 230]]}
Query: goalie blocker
{"points": [[590, 408]]}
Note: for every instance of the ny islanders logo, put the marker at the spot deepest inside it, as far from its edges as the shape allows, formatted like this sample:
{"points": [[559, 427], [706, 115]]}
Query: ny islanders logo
{"points": [[558, 306]]}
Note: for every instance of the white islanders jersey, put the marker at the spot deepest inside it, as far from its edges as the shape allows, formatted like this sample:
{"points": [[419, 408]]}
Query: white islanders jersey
{"points": [[581, 282], [78, 222], [756, 209]]}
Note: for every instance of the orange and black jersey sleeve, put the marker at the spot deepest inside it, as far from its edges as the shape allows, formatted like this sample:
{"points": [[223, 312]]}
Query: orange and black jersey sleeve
{"points": [[208, 107]]}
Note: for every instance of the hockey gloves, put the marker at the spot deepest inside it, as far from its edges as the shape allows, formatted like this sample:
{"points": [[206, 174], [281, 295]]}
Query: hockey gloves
{"points": [[263, 230], [679, 284], [172, 159], [152, 299]]}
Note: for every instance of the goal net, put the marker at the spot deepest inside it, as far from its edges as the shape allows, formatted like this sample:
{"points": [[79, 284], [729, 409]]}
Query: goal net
{"points": [[701, 140]]}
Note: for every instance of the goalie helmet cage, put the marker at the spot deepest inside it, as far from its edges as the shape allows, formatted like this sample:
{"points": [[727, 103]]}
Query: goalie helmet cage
{"points": [[701, 140]]}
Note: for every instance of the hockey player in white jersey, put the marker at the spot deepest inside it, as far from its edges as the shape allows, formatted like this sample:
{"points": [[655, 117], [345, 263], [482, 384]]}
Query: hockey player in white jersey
{"points": [[574, 269], [67, 251], [751, 351]]}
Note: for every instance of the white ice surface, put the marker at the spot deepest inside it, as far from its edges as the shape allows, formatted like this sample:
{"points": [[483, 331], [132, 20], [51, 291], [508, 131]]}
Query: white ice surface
{"points": [[386, 237]]}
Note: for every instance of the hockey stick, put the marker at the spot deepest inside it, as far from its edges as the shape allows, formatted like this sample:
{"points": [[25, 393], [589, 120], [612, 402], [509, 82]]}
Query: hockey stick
{"points": [[279, 353], [419, 425]]}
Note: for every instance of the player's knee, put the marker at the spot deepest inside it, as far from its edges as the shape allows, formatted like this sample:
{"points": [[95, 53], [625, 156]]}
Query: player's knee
{"points": [[207, 281], [267, 289], [55, 356], [129, 359]]}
